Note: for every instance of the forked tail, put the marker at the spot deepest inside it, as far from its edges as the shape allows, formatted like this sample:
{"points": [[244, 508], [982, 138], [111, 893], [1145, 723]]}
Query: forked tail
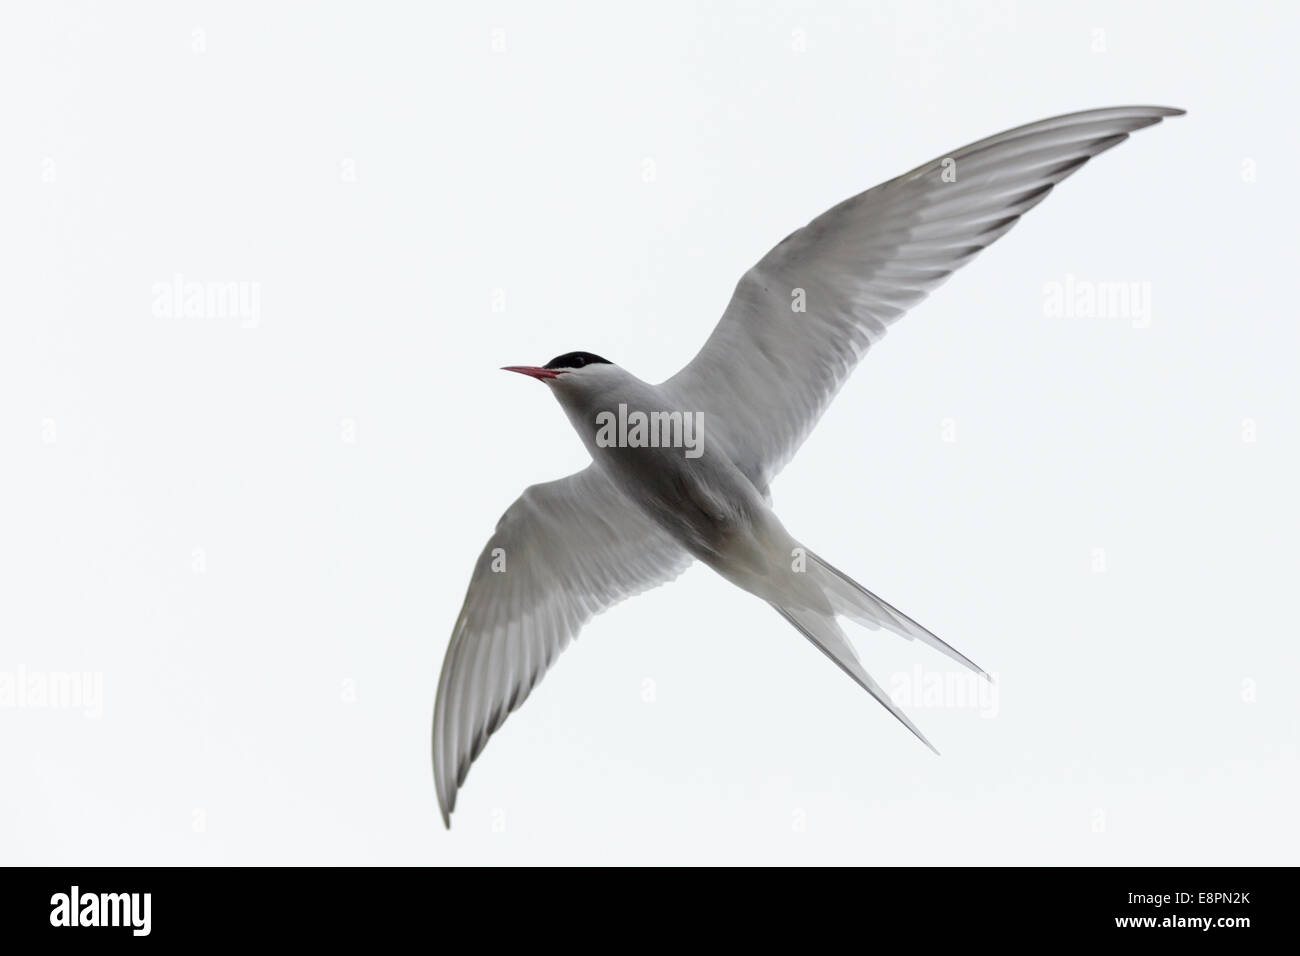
{"points": [[823, 630], [855, 602], [848, 598]]}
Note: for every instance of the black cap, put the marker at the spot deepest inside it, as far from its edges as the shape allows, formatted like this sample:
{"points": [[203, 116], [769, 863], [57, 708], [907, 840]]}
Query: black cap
{"points": [[576, 360]]}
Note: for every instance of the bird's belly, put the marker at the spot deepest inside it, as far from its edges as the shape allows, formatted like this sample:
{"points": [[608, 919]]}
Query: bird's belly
{"points": [[704, 503]]}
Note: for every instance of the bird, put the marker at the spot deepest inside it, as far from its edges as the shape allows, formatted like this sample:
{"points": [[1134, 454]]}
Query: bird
{"points": [[643, 510]]}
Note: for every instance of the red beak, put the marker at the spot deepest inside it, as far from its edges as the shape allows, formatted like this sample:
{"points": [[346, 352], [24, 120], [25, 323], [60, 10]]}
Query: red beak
{"points": [[534, 371]]}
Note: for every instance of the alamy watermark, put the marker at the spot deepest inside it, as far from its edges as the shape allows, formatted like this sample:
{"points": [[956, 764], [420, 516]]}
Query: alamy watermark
{"points": [[53, 690], [77, 908], [920, 688], [182, 298], [1075, 298], [638, 429]]}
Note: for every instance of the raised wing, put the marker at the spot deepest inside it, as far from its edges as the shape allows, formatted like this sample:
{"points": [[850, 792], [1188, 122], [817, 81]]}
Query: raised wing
{"points": [[767, 372], [563, 552]]}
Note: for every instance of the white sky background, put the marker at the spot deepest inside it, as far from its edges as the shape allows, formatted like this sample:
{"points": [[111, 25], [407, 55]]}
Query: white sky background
{"points": [[259, 538]]}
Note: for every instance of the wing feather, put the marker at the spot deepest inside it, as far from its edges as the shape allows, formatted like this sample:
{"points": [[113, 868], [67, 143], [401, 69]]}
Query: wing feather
{"points": [[767, 372], [572, 548]]}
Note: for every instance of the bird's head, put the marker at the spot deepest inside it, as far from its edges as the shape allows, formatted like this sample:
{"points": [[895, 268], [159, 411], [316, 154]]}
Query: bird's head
{"points": [[573, 374], [589, 388], [585, 385]]}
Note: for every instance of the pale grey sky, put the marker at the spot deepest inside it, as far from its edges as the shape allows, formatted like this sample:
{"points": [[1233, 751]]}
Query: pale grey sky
{"points": [[264, 261]]}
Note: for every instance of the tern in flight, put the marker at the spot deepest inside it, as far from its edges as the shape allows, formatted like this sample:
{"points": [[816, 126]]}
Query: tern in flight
{"points": [[642, 511]]}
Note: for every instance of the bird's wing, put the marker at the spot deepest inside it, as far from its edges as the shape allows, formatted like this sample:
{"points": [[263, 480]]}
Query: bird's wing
{"points": [[563, 552], [768, 371]]}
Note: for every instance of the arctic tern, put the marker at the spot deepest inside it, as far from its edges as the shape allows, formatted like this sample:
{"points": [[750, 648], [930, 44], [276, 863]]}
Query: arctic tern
{"points": [[640, 513]]}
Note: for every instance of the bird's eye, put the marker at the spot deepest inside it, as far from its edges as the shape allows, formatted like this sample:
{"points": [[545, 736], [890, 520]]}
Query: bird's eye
{"points": [[579, 362]]}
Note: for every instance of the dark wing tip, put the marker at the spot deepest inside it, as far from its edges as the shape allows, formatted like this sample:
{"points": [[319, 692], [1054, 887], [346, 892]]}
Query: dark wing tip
{"points": [[446, 804], [1162, 110]]}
